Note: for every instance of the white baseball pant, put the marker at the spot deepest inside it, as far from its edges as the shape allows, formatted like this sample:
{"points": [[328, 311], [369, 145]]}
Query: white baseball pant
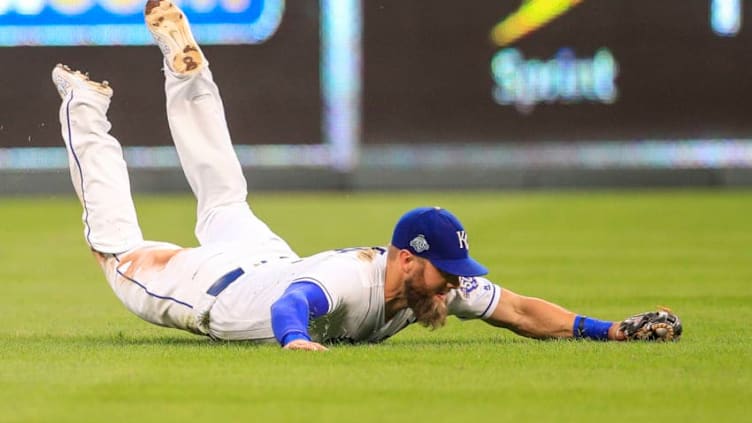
{"points": [[161, 282]]}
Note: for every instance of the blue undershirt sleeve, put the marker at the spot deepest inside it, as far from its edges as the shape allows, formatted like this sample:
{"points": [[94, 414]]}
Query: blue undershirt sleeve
{"points": [[291, 313]]}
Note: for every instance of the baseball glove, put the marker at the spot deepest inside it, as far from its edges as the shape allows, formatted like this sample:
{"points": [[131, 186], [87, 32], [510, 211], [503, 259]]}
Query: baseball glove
{"points": [[661, 325]]}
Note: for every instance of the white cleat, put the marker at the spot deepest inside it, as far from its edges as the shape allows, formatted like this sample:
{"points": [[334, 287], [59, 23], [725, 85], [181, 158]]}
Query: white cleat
{"points": [[67, 80], [172, 32]]}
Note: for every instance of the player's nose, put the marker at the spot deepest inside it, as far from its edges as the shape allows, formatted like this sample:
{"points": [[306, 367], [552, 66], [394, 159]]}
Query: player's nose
{"points": [[453, 282], [449, 286]]}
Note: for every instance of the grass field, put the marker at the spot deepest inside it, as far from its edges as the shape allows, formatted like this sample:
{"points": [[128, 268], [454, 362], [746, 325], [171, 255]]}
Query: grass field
{"points": [[69, 352]]}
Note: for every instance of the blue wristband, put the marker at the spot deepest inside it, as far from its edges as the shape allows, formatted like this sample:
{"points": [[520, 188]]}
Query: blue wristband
{"points": [[585, 327]]}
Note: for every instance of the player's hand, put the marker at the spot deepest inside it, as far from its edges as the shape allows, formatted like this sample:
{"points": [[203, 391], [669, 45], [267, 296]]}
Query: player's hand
{"points": [[302, 344]]}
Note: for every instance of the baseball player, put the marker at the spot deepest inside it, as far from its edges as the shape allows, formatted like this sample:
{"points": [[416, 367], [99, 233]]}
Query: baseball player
{"points": [[243, 282]]}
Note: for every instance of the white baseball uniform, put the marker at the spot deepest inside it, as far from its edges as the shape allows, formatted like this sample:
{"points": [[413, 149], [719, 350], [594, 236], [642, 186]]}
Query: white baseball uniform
{"points": [[352, 280], [225, 287]]}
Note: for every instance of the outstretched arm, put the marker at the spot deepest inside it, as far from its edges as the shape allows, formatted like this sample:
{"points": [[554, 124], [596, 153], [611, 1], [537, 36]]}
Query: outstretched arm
{"points": [[537, 318]]}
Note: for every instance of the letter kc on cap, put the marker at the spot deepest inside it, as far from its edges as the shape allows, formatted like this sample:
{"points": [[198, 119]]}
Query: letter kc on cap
{"points": [[438, 236]]}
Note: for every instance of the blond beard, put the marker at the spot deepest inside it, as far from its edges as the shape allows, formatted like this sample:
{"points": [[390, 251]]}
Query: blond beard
{"points": [[430, 312]]}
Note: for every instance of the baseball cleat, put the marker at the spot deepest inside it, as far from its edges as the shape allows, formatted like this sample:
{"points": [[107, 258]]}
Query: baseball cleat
{"points": [[67, 80], [171, 31]]}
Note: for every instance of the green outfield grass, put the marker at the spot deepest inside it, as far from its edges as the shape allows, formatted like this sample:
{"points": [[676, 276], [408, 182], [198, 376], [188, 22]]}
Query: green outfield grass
{"points": [[69, 352]]}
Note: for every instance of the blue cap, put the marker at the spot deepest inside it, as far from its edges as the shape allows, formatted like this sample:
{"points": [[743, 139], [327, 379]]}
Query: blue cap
{"points": [[438, 236]]}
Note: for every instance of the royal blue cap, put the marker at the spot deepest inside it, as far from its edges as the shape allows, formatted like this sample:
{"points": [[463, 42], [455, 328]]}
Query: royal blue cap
{"points": [[438, 236]]}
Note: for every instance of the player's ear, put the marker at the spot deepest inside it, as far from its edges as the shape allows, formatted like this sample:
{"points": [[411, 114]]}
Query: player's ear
{"points": [[406, 260], [412, 264]]}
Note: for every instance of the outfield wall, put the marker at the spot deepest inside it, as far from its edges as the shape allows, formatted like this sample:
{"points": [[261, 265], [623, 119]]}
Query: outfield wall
{"points": [[56, 182], [349, 94]]}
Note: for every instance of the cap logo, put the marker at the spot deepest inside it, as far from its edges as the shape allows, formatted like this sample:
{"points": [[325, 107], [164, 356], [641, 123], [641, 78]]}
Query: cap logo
{"points": [[462, 237], [419, 244]]}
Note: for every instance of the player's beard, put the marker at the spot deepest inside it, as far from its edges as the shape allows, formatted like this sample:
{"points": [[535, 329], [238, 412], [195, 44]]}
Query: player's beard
{"points": [[430, 309]]}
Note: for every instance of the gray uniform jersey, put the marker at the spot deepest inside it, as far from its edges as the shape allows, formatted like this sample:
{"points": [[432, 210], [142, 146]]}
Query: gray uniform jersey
{"points": [[353, 281]]}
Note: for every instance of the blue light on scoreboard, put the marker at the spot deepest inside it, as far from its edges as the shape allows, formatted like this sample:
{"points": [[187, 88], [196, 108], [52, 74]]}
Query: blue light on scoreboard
{"points": [[121, 22]]}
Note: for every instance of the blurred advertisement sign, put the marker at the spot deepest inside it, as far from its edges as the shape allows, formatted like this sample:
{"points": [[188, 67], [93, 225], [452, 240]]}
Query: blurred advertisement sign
{"points": [[120, 22], [564, 78], [556, 70], [272, 92]]}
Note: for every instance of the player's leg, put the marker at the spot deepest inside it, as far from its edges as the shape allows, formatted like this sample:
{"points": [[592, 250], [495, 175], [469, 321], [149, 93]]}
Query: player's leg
{"points": [[195, 112], [97, 168], [139, 272], [197, 122]]}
